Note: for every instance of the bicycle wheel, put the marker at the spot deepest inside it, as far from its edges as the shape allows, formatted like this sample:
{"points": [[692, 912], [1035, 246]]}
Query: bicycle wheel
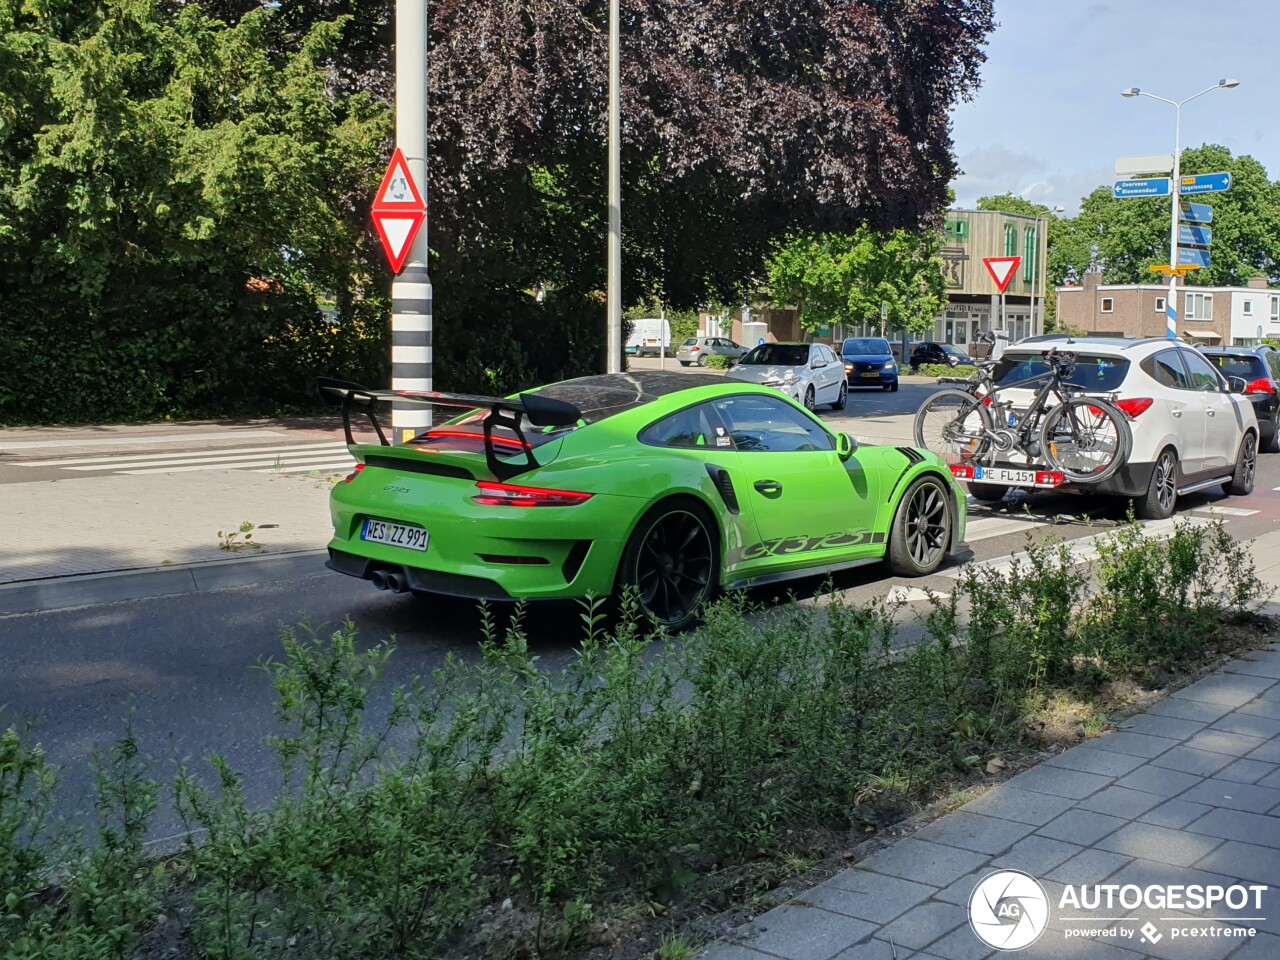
{"points": [[1085, 439], [955, 425]]}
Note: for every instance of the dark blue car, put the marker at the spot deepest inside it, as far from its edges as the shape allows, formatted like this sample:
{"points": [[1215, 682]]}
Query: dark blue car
{"points": [[868, 362]]}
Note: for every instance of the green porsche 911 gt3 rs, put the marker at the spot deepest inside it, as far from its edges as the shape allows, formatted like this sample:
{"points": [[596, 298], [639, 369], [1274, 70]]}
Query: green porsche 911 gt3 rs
{"points": [[675, 484]]}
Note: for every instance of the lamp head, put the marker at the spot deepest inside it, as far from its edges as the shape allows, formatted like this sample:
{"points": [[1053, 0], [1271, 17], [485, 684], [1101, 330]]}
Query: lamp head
{"points": [[1229, 84], [1130, 92]]}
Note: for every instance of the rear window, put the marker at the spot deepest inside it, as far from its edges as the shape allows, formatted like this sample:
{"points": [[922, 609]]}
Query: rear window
{"points": [[779, 354], [691, 341], [1246, 367], [1095, 373], [865, 345]]}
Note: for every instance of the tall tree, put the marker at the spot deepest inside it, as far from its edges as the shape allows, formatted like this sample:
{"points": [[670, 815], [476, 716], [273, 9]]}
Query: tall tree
{"points": [[860, 277]]}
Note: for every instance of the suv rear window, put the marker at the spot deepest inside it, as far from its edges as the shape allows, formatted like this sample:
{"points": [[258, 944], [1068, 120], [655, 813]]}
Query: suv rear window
{"points": [[1094, 373], [1245, 366]]}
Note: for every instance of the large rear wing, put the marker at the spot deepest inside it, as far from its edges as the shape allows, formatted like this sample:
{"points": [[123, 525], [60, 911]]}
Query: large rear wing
{"points": [[504, 412]]}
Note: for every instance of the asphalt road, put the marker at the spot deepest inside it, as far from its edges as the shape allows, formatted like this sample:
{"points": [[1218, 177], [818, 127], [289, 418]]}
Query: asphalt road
{"points": [[186, 665]]}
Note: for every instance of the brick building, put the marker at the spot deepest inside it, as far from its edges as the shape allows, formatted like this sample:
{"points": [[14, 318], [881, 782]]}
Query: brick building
{"points": [[1235, 316]]}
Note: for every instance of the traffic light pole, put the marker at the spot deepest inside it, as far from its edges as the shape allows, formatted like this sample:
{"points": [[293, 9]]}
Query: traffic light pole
{"points": [[411, 288]]}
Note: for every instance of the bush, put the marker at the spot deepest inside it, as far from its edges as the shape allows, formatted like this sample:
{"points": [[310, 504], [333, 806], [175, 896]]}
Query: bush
{"points": [[717, 362], [609, 782], [945, 370]]}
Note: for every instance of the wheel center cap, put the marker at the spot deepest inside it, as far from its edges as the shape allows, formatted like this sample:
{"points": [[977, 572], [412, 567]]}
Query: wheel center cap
{"points": [[666, 565]]}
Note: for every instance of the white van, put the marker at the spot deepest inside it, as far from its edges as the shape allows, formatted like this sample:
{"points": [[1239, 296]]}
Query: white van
{"points": [[649, 337]]}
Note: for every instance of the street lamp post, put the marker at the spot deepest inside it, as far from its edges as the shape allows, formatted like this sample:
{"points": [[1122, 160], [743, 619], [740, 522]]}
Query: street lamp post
{"points": [[1170, 306], [613, 291]]}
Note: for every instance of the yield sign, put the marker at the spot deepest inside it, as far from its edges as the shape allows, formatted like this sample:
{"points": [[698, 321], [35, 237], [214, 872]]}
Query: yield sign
{"points": [[398, 211], [1001, 269]]}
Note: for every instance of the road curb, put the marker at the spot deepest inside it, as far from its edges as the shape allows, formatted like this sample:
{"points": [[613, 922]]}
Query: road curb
{"points": [[167, 581]]}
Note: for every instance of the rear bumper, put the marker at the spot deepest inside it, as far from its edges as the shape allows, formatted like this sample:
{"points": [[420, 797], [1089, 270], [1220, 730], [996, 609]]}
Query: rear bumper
{"points": [[1131, 480]]}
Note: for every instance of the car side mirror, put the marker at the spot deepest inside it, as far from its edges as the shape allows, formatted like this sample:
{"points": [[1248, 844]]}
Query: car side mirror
{"points": [[818, 364], [846, 446], [1236, 384]]}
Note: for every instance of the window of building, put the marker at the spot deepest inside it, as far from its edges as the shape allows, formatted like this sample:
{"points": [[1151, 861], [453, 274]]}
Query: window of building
{"points": [[1248, 308], [1108, 305], [1010, 240], [1275, 309], [1159, 304], [1199, 306], [1029, 255], [1244, 342], [957, 230]]}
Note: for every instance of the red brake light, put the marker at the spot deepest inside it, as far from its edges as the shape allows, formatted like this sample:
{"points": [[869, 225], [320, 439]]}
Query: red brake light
{"points": [[1133, 407], [355, 473], [469, 435], [962, 471], [509, 495], [1261, 385], [694, 349]]}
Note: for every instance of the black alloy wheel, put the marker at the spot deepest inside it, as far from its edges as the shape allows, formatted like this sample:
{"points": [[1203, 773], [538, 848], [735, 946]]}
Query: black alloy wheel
{"points": [[810, 399], [1162, 491], [671, 562], [1241, 483], [922, 528]]}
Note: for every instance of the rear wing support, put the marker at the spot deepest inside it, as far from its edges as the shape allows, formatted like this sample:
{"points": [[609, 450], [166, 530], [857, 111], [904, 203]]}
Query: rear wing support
{"points": [[504, 412]]}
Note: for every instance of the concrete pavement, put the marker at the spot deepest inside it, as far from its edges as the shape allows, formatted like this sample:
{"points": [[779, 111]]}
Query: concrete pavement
{"points": [[1114, 834]]}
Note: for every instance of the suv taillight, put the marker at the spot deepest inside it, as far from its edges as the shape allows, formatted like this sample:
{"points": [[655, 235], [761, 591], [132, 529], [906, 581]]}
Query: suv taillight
{"points": [[1133, 407], [1261, 385]]}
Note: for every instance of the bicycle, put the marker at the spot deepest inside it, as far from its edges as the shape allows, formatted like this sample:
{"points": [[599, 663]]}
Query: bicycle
{"points": [[1086, 439]]}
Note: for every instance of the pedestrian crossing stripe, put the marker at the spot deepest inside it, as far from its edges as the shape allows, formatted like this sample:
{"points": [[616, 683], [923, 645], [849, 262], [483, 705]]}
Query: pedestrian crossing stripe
{"points": [[194, 456]]}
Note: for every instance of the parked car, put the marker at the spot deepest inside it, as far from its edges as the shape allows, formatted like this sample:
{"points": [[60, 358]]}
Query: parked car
{"points": [[697, 349], [673, 485], [807, 372], [1259, 368], [869, 362], [1191, 429], [930, 352]]}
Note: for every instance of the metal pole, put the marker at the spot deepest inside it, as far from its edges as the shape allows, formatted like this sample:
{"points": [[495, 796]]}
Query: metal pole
{"points": [[411, 288], [613, 294], [662, 339], [1171, 301]]}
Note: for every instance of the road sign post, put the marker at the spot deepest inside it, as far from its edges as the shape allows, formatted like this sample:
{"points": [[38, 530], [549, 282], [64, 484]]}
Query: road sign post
{"points": [[1002, 270], [1145, 187], [411, 306]]}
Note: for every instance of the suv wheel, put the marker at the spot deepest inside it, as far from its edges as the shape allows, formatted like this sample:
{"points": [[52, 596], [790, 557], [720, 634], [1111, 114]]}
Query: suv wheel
{"points": [[1162, 491], [1241, 483]]}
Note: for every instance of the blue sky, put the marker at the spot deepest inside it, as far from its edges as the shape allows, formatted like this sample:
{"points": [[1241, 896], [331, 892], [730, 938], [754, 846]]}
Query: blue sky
{"points": [[1048, 121]]}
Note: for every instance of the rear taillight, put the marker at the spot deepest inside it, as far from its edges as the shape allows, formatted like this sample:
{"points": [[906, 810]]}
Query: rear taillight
{"points": [[354, 473], [694, 349], [1261, 385], [509, 495], [1133, 407]]}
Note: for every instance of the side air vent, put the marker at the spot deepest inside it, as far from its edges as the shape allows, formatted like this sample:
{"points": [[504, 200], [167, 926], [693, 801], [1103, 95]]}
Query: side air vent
{"points": [[418, 466], [573, 562], [724, 486]]}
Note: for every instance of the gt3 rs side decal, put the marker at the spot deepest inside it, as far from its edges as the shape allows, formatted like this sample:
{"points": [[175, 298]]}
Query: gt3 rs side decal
{"points": [[790, 546]]}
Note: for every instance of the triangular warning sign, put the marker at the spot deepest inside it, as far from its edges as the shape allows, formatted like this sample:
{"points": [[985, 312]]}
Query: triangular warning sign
{"points": [[397, 230], [1001, 269], [398, 189]]}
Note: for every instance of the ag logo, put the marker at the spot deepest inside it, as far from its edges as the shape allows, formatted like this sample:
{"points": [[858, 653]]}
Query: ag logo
{"points": [[1008, 910]]}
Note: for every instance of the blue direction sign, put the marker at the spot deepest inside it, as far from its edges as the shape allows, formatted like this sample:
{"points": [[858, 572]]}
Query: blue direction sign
{"points": [[1193, 236], [1190, 257], [1204, 183], [1146, 187], [1195, 213]]}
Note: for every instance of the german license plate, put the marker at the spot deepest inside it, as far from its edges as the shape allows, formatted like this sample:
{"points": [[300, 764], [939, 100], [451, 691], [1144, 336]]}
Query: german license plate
{"points": [[1020, 478], [872, 374], [395, 534]]}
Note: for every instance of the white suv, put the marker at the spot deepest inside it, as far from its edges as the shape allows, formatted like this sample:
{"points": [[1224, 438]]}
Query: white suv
{"points": [[1190, 431]]}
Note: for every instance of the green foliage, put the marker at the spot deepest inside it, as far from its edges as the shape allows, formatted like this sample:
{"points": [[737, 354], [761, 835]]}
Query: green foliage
{"points": [[717, 362], [848, 278], [175, 205], [612, 780], [945, 370]]}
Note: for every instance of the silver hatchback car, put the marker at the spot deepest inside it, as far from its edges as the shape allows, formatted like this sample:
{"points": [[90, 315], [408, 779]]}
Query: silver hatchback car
{"points": [[697, 349]]}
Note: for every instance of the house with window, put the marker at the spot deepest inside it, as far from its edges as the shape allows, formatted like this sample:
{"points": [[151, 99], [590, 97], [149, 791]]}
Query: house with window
{"points": [[974, 304], [1223, 316]]}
